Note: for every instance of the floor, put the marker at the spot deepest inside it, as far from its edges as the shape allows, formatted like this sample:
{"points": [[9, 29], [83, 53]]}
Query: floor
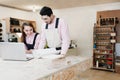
{"points": [[99, 75]]}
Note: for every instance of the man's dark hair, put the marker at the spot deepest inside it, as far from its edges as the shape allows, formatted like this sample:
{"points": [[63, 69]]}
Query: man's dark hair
{"points": [[46, 11]]}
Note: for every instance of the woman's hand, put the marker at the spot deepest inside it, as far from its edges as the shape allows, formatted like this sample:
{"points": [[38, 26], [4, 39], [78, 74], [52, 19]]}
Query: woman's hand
{"points": [[29, 51]]}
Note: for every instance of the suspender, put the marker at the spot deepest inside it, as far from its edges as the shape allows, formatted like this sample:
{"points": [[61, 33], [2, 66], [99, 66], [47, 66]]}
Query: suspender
{"points": [[46, 26], [56, 24], [35, 39]]}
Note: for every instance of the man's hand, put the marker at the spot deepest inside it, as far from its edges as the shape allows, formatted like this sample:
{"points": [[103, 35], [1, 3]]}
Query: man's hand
{"points": [[62, 56]]}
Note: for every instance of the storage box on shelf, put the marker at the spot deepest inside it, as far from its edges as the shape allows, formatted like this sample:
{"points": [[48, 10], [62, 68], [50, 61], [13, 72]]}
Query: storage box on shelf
{"points": [[117, 67], [104, 44]]}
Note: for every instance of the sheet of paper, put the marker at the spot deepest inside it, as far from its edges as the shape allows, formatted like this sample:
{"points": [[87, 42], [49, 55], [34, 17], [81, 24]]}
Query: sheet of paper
{"points": [[51, 56], [29, 56], [46, 53]]}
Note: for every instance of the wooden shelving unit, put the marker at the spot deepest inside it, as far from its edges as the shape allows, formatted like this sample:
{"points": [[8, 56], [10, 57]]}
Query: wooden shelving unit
{"points": [[109, 18], [104, 37]]}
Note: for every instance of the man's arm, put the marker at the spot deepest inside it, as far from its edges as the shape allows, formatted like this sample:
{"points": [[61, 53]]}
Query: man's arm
{"points": [[65, 37], [42, 39], [37, 42]]}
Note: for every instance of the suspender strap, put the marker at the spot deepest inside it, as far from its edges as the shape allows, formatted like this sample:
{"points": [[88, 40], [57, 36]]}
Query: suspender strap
{"points": [[46, 27], [25, 40], [56, 24], [35, 38]]}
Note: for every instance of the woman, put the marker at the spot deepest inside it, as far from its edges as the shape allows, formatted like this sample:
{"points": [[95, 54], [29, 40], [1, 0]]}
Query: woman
{"points": [[30, 38]]}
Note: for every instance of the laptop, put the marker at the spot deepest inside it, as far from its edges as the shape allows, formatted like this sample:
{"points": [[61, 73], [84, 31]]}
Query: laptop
{"points": [[14, 51]]}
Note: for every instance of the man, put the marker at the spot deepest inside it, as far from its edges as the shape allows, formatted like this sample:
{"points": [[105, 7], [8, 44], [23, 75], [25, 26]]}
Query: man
{"points": [[54, 31]]}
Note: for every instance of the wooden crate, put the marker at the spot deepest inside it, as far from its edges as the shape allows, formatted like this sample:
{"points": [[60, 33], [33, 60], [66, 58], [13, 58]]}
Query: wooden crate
{"points": [[117, 67]]}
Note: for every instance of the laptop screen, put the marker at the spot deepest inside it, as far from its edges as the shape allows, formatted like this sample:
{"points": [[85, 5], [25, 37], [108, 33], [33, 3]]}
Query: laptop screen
{"points": [[12, 51]]}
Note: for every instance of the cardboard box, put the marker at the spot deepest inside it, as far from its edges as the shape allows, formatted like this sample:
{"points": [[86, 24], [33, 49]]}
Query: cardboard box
{"points": [[117, 67], [118, 39], [118, 29]]}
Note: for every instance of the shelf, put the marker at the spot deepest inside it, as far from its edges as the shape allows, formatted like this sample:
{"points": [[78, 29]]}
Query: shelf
{"points": [[101, 49], [101, 58], [101, 68], [105, 26], [103, 54], [102, 44], [104, 39], [102, 33], [15, 25], [104, 59]]}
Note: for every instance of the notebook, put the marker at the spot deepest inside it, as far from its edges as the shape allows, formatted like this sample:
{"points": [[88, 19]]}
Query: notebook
{"points": [[14, 51]]}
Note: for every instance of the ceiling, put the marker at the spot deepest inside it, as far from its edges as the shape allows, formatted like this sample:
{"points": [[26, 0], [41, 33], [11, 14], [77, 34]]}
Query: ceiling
{"points": [[28, 5]]}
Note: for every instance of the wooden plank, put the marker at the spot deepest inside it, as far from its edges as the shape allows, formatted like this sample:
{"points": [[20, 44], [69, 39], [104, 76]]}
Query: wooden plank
{"points": [[56, 76]]}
